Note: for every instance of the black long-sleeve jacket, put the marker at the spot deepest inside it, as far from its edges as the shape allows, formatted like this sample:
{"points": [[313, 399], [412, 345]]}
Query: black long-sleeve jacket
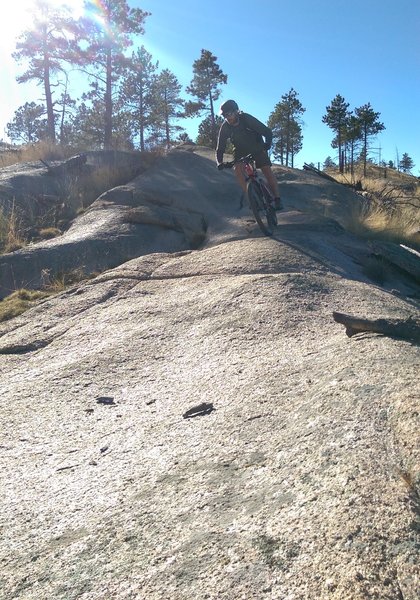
{"points": [[246, 137]]}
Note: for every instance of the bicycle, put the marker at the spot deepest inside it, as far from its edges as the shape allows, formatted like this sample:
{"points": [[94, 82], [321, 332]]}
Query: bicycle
{"points": [[260, 198]]}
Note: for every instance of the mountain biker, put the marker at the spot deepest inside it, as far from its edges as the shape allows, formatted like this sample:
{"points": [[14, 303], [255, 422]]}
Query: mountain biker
{"points": [[246, 134]]}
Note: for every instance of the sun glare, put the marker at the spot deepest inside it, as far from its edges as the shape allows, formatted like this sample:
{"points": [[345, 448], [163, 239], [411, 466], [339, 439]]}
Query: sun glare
{"points": [[18, 18]]}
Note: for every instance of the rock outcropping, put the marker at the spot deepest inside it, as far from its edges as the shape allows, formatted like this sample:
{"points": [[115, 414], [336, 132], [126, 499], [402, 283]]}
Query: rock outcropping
{"points": [[195, 424]]}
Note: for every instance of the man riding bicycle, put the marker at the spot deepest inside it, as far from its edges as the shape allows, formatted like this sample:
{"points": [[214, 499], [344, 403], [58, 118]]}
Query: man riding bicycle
{"points": [[246, 134]]}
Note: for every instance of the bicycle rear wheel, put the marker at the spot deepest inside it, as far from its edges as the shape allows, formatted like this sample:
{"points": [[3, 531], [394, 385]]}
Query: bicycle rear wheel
{"points": [[264, 213]]}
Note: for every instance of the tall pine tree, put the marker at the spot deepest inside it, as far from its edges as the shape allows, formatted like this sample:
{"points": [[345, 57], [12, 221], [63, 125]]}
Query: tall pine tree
{"points": [[406, 163], [104, 36], [137, 92], [286, 121], [205, 87], [369, 125], [336, 118], [29, 124], [167, 107], [353, 135], [46, 47]]}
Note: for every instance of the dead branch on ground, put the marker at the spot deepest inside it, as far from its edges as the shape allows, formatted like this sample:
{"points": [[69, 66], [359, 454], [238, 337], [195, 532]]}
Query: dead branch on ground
{"points": [[408, 329]]}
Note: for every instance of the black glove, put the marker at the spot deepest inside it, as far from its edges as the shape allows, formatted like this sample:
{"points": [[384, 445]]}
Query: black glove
{"points": [[220, 166], [267, 146]]}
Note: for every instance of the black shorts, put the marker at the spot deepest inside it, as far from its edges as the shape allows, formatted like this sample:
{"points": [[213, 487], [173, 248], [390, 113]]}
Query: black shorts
{"points": [[260, 156]]}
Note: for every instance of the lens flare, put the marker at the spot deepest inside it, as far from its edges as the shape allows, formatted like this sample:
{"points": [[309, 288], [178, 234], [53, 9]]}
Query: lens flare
{"points": [[98, 12]]}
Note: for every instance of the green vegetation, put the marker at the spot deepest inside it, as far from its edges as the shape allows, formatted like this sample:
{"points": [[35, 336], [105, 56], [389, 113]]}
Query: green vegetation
{"points": [[130, 101], [353, 130], [286, 123], [205, 86]]}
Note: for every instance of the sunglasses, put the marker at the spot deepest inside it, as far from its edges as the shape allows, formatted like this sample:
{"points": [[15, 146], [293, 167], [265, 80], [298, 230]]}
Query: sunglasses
{"points": [[229, 114]]}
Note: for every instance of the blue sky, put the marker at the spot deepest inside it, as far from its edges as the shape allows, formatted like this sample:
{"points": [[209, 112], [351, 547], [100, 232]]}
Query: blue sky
{"points": [[365, 50]]}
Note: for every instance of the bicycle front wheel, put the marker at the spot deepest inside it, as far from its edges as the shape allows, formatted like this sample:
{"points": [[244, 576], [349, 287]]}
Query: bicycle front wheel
{"points": [[264, 213]]}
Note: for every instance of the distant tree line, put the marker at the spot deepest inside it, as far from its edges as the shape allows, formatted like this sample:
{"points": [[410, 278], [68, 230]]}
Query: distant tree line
{"points": [[353, 130], [405, 164], [129, 102]]}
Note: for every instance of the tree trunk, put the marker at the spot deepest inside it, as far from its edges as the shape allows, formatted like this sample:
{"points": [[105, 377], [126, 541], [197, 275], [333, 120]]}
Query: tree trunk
{"points": [[141, 115], [108, 103], [48, 101], [213, 121], [408, 329], [364, 151], [167, 131], [340, 157], [404, 259]]}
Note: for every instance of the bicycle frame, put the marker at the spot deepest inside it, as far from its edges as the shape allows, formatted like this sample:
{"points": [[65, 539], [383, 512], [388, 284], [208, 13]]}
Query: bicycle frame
{"points": [[259, 196], [251, 172], [249, 169]]}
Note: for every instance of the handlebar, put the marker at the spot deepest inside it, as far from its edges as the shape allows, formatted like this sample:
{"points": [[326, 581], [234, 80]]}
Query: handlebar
{"points": [[228, 165]]}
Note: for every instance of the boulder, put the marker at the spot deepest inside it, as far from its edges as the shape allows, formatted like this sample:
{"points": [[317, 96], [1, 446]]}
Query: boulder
{"points": [[36, 190]]}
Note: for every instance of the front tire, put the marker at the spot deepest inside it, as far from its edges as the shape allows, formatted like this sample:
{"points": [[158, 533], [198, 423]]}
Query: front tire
{"points": [[264, 214], [271, 211]]}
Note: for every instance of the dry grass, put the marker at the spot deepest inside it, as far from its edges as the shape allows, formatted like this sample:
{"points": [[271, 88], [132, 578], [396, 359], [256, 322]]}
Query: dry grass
{"points": [[47, 233], [399, 224], [14, 236], [11, 232], [77, 194], [19, 302], [391, 206], [373, 172], [32, 152], [61, 281]]}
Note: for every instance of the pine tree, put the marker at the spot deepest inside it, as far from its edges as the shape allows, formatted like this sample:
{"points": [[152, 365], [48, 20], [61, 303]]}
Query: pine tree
{"points": [[205, 131], [87, 128], [107, 32], [285, 121], [336, 118], [329, 163], [352, 138], [370, 126], [66, 105], [167, 107], [184, 138], [46, 47], [28, 125], [406, 163], [205, 86], [136, 91]]}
